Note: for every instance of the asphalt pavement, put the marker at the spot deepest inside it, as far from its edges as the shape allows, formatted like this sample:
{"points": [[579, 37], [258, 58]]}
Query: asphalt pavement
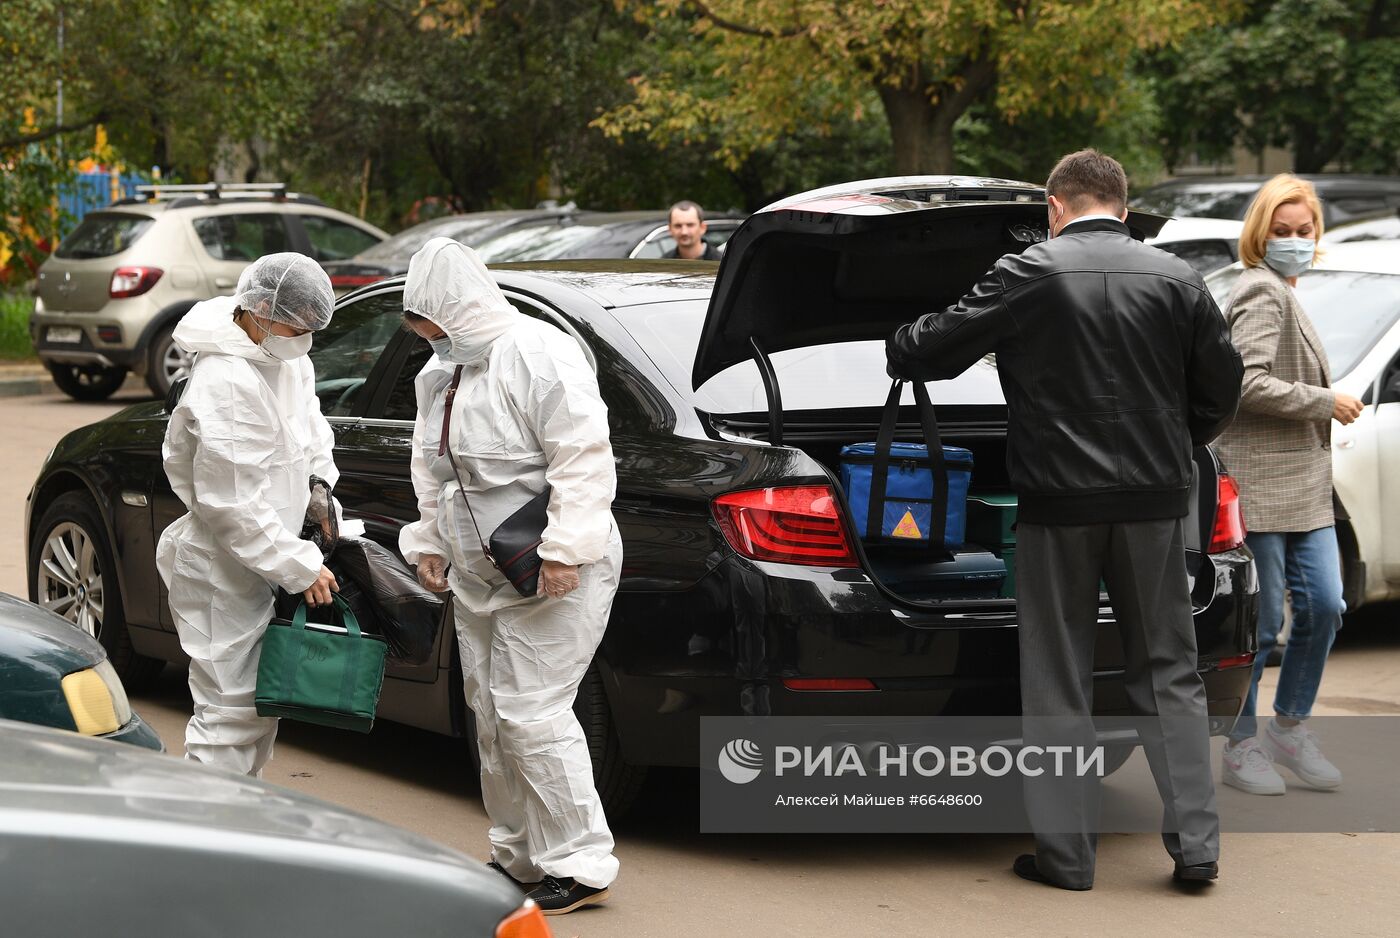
{"points": [[678, 883]]}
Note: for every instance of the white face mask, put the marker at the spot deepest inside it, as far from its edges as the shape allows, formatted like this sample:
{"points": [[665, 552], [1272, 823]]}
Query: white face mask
{"points": [[282, 347]]}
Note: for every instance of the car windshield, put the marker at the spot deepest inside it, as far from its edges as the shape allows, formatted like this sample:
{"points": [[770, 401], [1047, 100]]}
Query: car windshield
{"points": [[1196, 203], [535, 243], [406, 243], [1350, 310], [103, 236], [821, 377]]}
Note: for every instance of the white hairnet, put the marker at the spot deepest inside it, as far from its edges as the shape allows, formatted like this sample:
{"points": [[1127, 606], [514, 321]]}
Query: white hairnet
{"points": [[287, 287]]}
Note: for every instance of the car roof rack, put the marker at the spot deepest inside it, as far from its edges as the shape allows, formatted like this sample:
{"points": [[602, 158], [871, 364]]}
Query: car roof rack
{"points": [[204, 193]]}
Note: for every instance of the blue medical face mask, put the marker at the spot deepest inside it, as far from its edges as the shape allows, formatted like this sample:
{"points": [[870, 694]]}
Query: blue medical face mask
{"points": [[442, 347], [1289, 256]]}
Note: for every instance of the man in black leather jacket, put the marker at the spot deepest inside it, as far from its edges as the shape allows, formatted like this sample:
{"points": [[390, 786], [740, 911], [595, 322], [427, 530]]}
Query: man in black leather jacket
{"points": [[1115, 363]]}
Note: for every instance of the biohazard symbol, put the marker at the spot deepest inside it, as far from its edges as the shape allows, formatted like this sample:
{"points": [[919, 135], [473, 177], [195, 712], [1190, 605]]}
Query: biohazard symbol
{"points": [[907, 527]]}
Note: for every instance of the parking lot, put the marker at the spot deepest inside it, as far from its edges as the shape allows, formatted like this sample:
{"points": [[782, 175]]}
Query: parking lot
{"points": [[677, 882]]}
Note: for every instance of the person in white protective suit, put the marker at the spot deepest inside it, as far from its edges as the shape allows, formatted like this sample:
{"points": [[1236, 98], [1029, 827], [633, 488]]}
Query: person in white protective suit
{"points": [[527, 414], [240, 449]]}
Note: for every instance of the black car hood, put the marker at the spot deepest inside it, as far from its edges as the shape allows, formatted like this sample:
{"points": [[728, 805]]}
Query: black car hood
{"points": [[851, 263]]}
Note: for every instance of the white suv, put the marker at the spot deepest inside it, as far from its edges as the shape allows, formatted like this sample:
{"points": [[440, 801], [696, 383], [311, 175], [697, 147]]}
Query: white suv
{"points": [[109, 297]]}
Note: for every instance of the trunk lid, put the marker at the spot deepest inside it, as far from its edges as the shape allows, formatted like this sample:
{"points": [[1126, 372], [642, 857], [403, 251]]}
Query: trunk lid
{"points": [[853, 262]]}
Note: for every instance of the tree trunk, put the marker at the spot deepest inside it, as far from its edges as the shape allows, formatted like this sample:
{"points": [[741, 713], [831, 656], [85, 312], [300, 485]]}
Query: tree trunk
{"points": [[922, 143], [922, 115]]}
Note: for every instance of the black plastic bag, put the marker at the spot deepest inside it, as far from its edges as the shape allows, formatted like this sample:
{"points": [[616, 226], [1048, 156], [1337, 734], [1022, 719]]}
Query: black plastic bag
{"points": [[387, 598]]}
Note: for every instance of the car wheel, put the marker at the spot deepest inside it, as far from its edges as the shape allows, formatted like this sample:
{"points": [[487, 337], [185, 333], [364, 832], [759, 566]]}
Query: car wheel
{"points": [[87, 382], [71, 573], [165, 361], [618, 782]]}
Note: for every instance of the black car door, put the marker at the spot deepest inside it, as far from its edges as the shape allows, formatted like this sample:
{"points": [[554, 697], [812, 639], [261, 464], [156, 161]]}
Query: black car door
{"points": [[349, 354]]}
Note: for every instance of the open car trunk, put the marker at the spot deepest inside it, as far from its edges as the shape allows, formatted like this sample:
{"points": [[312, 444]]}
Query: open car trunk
{"points": [[807, 292]]}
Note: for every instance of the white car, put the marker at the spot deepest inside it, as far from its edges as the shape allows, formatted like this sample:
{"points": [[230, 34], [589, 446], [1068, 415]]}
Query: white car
{"points": [[1206, 244], [1353, 298]]}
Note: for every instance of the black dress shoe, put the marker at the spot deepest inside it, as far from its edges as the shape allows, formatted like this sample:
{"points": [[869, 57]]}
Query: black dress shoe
{"points": [[559, 896], [1199, 873], [1025, 868]]}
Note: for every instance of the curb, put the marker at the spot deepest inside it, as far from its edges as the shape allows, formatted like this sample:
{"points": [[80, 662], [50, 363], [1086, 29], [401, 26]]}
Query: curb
{"points": [[26, 386]]}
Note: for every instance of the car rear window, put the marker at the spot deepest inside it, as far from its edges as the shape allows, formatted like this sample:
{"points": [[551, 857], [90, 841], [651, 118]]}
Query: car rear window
{"points": [[1350, 310], [1196, 203], [103, 236], [821, 377], [406, 243]]}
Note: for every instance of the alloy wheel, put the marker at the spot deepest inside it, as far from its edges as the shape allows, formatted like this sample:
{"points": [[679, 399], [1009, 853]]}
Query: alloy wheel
{"points": [[175, 363], [70, 577]]}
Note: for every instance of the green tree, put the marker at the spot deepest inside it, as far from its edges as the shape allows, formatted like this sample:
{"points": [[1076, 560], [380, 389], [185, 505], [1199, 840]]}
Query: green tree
{"points": [[1319, 77], [773, 66]]}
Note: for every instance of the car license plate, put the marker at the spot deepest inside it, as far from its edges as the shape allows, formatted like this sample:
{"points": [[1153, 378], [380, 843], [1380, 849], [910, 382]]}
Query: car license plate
{"points": [[63, 334]]}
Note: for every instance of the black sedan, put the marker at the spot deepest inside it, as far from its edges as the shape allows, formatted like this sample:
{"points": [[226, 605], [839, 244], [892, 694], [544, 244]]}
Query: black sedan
{"points": [[744, 588]]}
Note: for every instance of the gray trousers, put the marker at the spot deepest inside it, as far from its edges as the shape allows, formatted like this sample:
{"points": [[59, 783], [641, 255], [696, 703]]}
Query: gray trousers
{"points": [[1143, 565]]}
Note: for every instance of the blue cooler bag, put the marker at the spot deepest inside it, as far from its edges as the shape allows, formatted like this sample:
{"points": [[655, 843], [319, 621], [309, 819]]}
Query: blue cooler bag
{"points": [[904, 493]]}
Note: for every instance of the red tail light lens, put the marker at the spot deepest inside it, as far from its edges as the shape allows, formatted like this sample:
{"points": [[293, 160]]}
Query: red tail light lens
{"points": [[829, 683], [792, 524], [1228, 533], [133, 281], [1238, 661]]}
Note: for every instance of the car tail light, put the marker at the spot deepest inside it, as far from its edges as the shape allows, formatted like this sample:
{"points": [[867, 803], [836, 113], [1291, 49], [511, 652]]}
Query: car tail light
{"points": [[133, 281], [1228, 533], [790, 524], [525, 922], [345, 281], [1238, 661], [829, 683]]}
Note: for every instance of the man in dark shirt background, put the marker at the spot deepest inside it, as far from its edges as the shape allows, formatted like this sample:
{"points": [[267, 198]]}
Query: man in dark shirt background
{"points": [[1115, 362], [686, 222]]}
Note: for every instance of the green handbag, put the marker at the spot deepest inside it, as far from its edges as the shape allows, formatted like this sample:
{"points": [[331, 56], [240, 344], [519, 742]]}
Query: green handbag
{"points": [[321, 675]]}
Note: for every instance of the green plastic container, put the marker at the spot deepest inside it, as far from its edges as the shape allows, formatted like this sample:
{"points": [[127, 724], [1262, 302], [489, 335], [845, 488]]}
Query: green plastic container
{"points": [[990, 519], [1008, 586]]}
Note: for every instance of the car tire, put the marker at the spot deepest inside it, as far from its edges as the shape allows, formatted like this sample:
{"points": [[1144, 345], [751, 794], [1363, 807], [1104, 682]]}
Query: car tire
{"points": [[618, 782], [69, 564], [87, 382], [165, 361]]}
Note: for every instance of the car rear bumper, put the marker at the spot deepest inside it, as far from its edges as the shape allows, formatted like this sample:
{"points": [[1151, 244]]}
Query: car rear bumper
{"points": [[129, 317], [733, 646]]}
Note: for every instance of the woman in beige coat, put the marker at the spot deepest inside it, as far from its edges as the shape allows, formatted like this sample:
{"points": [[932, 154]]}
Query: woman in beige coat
{"points": [[1279, 450]]}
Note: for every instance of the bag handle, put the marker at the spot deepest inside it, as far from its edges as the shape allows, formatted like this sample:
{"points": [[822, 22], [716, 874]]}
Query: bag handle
{"points": [[344, 616], [444, 449], [880, 471]]}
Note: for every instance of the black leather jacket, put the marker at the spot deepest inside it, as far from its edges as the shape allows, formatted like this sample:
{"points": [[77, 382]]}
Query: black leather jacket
{"points": [[1115, 362]]}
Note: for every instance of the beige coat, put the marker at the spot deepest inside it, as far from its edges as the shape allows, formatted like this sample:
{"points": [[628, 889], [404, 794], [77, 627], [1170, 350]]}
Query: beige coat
{"points": [[1279, 448]]}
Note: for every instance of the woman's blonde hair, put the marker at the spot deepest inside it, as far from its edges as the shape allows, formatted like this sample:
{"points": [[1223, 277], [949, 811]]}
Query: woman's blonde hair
{"points": [[1283, 189]]}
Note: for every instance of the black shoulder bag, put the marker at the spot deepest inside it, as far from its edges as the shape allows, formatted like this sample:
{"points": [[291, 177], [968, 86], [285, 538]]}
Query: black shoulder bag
{"points": [[515, 545]]}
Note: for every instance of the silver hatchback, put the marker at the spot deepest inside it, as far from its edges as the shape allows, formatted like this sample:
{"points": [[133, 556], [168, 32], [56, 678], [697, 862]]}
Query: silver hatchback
{"points": [[109, 297]]}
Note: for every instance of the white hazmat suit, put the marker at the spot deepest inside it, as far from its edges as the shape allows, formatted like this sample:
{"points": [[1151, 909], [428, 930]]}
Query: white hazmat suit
{"points": [[527, 413], [240, 448]]}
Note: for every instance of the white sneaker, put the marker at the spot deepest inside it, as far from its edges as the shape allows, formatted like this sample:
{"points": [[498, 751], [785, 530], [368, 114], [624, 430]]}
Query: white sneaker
{"points": [[1248, 767], [1295, 747]]}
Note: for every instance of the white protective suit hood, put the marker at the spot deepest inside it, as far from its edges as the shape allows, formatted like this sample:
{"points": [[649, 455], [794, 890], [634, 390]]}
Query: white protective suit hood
{"points": [[209, 328], [450, 287]]}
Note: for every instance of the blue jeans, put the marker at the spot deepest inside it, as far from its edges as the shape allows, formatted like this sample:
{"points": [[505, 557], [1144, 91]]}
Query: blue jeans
{"points": [[1307, 565]]}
